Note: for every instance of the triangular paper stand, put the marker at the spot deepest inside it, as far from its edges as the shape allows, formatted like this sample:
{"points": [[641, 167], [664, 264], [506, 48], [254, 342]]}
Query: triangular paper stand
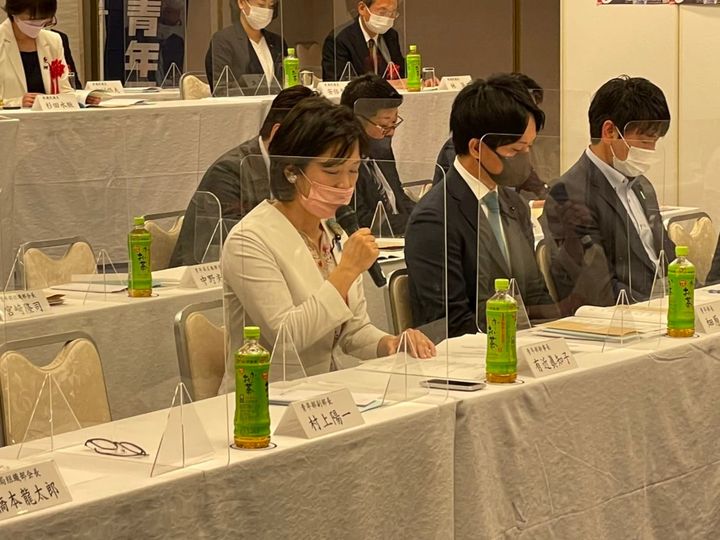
{"points": [[403, 383], [523, 319], [131, 81], [172, 77], [105, 278], [51, 414], [227, 85], [184, 440], [621, 320], [659, 289], [348, 73], [286, 367], [392, 72], [380, 226], [265, 89]]}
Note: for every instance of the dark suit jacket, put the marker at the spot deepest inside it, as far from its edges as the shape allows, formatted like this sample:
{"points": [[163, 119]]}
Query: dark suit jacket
{"points": [[69, 58], [231, 47], [347, 44], [369, 191], [240, 181], [583, 208], [470, 274]]}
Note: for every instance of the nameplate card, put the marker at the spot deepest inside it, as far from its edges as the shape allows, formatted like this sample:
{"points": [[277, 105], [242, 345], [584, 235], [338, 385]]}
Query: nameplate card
{"points": [[548, 357], [708, 315], [332, 89], [455, 83], [202, 276], [320, 415], [55, 102], [111, 87], [31, 488], [23, 305]]}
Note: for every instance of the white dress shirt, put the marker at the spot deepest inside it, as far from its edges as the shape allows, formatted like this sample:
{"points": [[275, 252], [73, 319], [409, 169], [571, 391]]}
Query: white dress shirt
{"points": [[266, 60], [623, 187]]}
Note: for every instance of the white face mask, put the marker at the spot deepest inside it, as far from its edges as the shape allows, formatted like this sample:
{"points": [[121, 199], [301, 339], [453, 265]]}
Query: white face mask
{"points": [[259, 18], [31, 29], [379, 24], [638, 161]]}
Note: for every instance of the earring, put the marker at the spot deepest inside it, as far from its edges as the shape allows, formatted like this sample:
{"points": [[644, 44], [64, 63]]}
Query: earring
{"points": [[292, 178]]}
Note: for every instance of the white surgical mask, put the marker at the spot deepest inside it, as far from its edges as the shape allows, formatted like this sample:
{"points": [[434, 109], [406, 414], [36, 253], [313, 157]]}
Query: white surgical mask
{"points": [[379, 24], [638, 161], [31, 29], [259, 18]]}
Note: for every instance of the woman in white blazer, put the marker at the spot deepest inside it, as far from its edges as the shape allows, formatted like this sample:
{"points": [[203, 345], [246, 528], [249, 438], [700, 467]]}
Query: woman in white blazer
{"points": [[26, 51], [283, 261]]}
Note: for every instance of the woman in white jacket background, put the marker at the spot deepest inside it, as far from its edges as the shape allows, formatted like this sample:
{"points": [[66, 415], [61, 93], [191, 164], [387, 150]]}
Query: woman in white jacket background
{"points": [[283, 261], [27, 49]]}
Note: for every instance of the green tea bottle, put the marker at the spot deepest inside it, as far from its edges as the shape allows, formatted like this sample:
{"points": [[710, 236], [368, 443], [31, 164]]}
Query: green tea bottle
{"points": [[291, 69], [139, 274], [413, 62], [681, 304], [252, 406], [501, 316]]}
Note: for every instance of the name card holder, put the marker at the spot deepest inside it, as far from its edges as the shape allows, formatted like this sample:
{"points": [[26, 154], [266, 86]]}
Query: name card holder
{"points": [[320, 415], [332, 89], [707, 317], [457, 82], [547, 357], [202, 276], [23, 305], [55, 102], [31, 488], [111, 87]]}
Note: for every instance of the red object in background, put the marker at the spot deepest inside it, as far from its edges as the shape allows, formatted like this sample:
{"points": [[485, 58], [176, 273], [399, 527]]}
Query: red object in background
{"points": [[393, 72]]}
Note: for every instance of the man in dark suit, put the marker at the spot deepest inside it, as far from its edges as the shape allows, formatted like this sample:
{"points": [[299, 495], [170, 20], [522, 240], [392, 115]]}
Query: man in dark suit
{"points": [[239, 179], [69, 58], [369, 43], [475, 216], [605, 199], [375, 102]]}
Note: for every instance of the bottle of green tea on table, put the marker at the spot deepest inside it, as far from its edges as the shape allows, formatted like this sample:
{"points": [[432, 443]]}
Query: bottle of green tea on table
{"points": [[681, 301], [291, 69], [139, 274], [413, 64], [252, 407], [501, 317]]}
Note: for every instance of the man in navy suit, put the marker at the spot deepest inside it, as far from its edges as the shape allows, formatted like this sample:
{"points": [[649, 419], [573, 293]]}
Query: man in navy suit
{"points": [[369, 43]]}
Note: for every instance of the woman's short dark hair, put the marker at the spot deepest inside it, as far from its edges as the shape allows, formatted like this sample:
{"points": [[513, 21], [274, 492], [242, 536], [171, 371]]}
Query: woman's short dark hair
{"points": [[313, 127], [38, 9], [282, 105]]}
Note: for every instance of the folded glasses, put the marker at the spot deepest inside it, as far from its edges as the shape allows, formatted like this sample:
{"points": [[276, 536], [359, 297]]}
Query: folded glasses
{"points": [[107, 447]]}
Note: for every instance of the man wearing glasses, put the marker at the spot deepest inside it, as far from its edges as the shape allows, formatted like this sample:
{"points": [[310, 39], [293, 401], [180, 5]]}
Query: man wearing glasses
{"points": [[375, 102], [369, 43]]}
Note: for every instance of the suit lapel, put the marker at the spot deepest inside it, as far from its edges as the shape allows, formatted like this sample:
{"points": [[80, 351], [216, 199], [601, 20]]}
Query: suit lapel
{"points": [[45, 56], [12, 52]]}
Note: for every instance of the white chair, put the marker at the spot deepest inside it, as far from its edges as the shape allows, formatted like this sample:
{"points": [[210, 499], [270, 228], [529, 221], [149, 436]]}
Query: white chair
{"points": [[68, 392], [163, 240], [200, 350], [40, 270], [399, 294], [194, 86], [698, 233], [542, 257]]}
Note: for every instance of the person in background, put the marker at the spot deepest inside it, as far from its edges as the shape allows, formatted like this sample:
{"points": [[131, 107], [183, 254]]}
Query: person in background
{"points": [[27, 48], [533, 187], [72, 68], [286, 263], [605, 199], [375, 103], [240, 181], [246, 47], [369, 43], [473, 228]]}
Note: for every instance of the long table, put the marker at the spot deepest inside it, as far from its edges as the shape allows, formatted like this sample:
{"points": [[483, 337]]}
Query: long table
{"points": [[624, 446]]}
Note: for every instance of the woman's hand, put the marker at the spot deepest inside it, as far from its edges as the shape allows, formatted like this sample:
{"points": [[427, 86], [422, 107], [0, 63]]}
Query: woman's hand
{"points": [[93, 100], [359, 252], [29, 99], [418, 345]]}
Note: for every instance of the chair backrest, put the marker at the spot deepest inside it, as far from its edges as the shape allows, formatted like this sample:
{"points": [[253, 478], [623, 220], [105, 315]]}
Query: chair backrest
{"points": [[163, 241], [194, 86], [200, 349], [399, 294], [543, 261], [39, 270], [69, 392], [700, 239], [309, 53]]}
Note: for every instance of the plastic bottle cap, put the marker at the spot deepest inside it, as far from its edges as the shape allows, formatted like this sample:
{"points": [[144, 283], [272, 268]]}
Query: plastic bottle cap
{"points": [[413, 48], [681, 251], [139, 220], [291, 51], [502, 284], [252, 332]]}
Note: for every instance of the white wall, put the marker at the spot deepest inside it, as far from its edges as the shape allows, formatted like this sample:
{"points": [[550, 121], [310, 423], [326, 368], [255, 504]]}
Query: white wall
{"points": [[601, 42]]}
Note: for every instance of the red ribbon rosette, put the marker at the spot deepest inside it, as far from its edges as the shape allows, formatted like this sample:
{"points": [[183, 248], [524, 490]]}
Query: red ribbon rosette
{"points": [[57, 68]]}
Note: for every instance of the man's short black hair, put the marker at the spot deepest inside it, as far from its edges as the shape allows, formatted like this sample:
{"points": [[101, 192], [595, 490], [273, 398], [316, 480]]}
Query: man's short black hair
{"points": [[631, 102], [282, 105], [368, 94], [500, 106], [38, 9]]}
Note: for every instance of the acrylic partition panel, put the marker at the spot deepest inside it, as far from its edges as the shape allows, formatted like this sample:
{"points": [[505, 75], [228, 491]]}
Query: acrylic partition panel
{"points": [[308, 28], [8, 140]]}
